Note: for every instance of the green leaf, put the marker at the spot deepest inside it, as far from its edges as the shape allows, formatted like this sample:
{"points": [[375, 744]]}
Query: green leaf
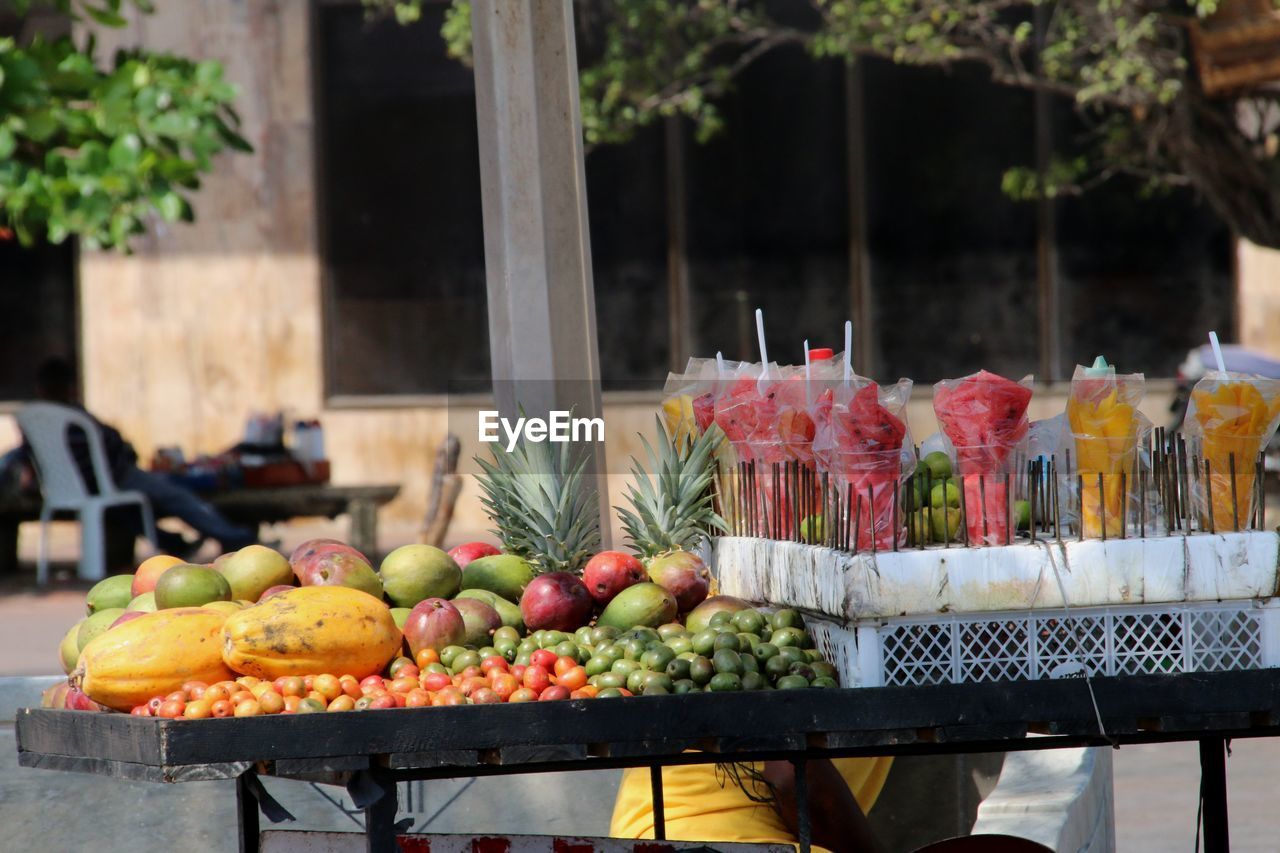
{"points": [[7, 143]]}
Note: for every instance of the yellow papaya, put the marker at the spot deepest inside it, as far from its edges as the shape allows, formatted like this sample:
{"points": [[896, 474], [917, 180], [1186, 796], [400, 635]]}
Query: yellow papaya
{"points": [[310, 630], [152, 655]]}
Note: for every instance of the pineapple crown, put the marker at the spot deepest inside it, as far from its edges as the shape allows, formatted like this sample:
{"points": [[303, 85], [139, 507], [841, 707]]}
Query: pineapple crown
{"points": [[673, 510], [543, 511]]}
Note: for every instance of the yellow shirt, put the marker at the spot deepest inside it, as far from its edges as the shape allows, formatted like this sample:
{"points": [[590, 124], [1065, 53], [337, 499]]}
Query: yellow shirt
{"points": [[704, 803]]}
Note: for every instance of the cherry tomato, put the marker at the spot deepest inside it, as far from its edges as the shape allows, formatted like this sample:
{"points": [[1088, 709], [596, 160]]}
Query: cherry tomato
{"points": [[553, 693], [544, 658]]}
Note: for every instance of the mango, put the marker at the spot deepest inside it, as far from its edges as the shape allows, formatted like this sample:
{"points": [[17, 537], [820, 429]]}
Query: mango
{"points": [[69, 648], [253, 570], [505, 575], [190, 586], [642, 604], [413, 573], [93, 626], [508, 612], [110, 592], [146, 602], [700, 617]]}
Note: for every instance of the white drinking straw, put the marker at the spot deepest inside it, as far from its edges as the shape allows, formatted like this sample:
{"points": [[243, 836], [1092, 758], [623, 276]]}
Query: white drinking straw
{"points": [[848, 350], [808, 375], [764, 351], [1217, 351]]}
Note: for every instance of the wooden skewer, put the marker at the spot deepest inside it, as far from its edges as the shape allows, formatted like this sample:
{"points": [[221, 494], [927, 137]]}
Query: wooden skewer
{"points": [[1124, 505], [1008, 509], [1208, 496], [982, 498], [1102, 507], [964, 505], [857, 524], [1080, 502], [1235, 500]]}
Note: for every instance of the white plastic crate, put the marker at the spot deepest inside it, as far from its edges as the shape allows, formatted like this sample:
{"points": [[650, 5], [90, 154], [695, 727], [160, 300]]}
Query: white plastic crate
{"points": [[1009, 646]]}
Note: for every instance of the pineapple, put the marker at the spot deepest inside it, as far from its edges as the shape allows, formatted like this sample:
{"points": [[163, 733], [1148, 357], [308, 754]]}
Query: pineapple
{"points": [[543, 512], [672, 516]]}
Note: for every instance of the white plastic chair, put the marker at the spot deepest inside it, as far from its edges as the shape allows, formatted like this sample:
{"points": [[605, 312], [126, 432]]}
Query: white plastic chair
{"points": [[46, 427]]}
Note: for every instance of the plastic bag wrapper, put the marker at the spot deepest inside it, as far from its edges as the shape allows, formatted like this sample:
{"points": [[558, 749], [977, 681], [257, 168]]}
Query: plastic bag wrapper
{"points": [[863, 445], [1230, 419], [688, 398], [985, 418], [1105, 427]]}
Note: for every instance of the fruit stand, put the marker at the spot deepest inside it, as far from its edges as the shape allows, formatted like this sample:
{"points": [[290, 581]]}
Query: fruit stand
{"points": [[369, 753]]}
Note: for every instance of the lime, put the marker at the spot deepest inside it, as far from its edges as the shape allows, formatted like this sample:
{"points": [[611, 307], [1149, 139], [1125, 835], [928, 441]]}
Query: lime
{"points": [[945, 494], [657, 659], [814, 655], [724, 681], [437, 667], [612, 679], [822, 669], [654, 690], [609, 693], [449, 653], [603, 634], [720, 618], [647, 635], [786, 619], [633, 649], [625, 667], [764, 651], [748, 621], [567, 649], [788, 637], [551, 639], [612, 652], [727, 641], [752, 681], [506, 632], [464, 660], [747, 642], [598, 664], [749, 663], [792, 682], [791, 655], [803, 670], [704, 642], [488, 652], [671, 629], [776, 667], [582, 636], [823, 681], [727, 660], [678, 669], [701, 670], [661, 679], [528, 646], [680, 645], [684, 686], [938, 465], [522, 658], [635, 681]]}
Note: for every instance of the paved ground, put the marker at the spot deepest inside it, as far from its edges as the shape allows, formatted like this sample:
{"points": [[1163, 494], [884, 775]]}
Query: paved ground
{"points": [[1155, 786]]}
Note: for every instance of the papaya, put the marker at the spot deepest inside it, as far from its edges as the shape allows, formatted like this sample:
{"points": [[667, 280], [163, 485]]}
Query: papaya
{"points": [[505, 575], [150, 656], [311, 629], [641, 604]]}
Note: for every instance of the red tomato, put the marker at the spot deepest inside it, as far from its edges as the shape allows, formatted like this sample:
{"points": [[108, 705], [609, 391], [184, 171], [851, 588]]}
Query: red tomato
{"points": [[292, 685], [248, 708], [402, 685], [524, 694], [426, 657], [536, 678], [449, 696], [172, 708], [471, 672], [396, 665], [573, 678], [216, 693], [386, 700], [493, 662], [271, 702], [140, 711], [343, 703], [291, 704], [408, 671], [372, 681], [471, 685], [553, 693], [504, 685], [327, 686], [587, 692], [544, 658], [417, 698], [485, 696], [518, 671], [222, 708], [154, 704], [177, 696], [434, 681], [563, 665]]}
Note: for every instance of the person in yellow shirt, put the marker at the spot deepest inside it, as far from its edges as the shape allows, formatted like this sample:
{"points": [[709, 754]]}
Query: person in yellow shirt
{"points": [[755, 803]]}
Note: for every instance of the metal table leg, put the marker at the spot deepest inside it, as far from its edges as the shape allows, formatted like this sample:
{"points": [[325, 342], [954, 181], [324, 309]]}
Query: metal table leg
{"points": [[804, 825], [247, 810], [380, 818], [1213, 790], [659, 807]]}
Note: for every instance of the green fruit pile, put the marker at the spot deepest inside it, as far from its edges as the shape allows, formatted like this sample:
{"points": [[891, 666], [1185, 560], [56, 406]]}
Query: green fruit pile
{"points": [[932, 502], [746, 650]]}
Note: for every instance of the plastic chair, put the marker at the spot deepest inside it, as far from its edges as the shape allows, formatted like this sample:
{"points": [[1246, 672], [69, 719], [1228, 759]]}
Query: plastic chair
{"points": [[45, 427]]}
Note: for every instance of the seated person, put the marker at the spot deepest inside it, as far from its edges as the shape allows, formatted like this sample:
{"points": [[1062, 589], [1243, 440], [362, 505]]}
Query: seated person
{"points": [[756, 802], [55, 383]]}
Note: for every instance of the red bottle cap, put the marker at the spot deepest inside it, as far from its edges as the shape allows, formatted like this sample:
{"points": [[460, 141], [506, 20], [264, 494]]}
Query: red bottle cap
{"points": [[821, 354]]}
